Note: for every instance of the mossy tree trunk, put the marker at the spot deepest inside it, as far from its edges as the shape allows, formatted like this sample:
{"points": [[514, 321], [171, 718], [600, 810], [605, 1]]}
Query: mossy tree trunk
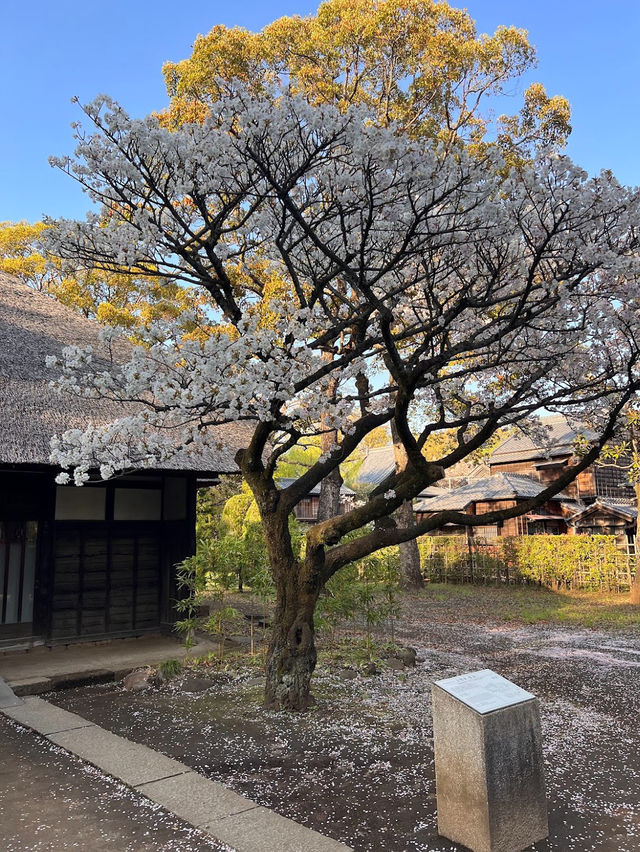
{"points": [[291, 658]]}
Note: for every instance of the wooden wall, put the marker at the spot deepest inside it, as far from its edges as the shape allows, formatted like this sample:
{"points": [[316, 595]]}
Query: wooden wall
{"points": [[102, 578]]}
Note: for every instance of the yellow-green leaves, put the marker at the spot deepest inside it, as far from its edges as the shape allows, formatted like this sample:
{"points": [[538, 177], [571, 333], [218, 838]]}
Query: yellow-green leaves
{"points": [[419, 63]]}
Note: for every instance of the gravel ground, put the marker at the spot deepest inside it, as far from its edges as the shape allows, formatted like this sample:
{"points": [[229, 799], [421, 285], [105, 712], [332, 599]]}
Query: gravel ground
{"points": [[359, 767], [50, 801]]}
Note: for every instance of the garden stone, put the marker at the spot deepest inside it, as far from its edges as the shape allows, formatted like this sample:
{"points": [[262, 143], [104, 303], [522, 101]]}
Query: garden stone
{"points": [[489, 766], [394, 664], [348, 674], [138, 680], [408, 656], [192, 683], [370, 668]]}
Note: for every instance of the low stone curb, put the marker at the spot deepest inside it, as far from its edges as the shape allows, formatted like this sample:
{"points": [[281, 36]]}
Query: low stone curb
{"points": [[207, 805], [8, 698]]}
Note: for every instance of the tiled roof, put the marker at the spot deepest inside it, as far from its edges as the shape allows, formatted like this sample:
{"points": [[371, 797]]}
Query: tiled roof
{"points": [[501, 486], [377, 465], [627, 511], [285, 482], [558, 441]]}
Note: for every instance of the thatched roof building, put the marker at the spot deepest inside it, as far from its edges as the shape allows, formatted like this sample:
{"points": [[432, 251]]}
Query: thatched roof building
{"points": [[33, 326], [83, 563]]}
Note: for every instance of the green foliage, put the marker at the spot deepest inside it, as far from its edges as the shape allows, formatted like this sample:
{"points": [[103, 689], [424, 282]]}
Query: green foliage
{"points": [[356, 651], [211, 503], [299, 459], [127, 301], [418, 63], [223, 622], [168, 669], [193, 591], [232, 551], [555, 561], [584, 561], [190, 583], [363, 593], [230, 548]]}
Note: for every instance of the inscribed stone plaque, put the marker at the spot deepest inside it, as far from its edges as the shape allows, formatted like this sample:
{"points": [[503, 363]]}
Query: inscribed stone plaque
{"points": [[489, 766], [484, 691]]}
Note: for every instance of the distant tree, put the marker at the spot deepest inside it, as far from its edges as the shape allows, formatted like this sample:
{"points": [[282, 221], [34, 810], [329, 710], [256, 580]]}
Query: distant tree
{"points": [[111, 298], [417, 63], [472, 292]]}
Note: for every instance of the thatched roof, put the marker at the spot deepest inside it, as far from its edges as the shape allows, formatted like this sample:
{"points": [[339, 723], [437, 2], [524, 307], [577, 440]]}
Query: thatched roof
{"points": [[285, 482], [33, 326]]}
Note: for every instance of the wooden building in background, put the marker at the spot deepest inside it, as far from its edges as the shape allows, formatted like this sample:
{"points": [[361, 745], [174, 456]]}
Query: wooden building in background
{"points": [[494, 493], [306, 511], [546, 458], [97, 561]]}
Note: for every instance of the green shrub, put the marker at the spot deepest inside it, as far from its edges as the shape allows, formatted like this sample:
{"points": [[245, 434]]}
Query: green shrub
{"points": [[555, 561], [169, 668]]}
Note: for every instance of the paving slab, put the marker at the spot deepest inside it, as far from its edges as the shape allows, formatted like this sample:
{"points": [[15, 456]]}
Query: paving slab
{"points": [[31, 685], [130, 762], [263, 830], [196, 799], [7, 696], [45, 718]]}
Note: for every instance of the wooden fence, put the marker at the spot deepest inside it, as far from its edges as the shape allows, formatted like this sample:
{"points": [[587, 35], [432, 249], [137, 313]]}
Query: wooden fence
{"points": [[555, 561]]}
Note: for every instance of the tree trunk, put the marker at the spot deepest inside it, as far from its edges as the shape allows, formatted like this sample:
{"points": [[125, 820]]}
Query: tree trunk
{"points": [[291, 658], [329, 502], [635, 586], [410, 573]]}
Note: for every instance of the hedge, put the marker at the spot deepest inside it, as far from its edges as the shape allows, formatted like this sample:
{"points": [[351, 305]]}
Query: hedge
{"points": [[556, 561]]}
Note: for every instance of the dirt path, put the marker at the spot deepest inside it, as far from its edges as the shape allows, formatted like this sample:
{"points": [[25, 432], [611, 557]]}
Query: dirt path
{"points": [[359, 767]]}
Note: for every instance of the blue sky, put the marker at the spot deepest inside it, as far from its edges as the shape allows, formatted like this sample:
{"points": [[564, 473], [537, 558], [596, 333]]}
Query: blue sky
{"points": [[588, 51]]}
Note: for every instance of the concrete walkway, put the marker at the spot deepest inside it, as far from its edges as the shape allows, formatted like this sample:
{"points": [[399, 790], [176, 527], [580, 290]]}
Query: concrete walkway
{"points": [[43, 669], [51, 801], [207, 805]]}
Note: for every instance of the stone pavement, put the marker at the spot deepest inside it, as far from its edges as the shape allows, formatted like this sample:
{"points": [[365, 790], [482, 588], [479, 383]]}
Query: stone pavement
{"points": [[211, 807], [51, 801], [43, 669]]}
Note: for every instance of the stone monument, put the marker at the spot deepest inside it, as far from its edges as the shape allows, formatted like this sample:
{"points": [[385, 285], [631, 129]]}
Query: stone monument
{"points": [[489, 768]]}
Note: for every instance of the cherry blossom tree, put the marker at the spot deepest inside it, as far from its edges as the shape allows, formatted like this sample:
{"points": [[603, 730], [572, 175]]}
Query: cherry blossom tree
{"points": [[426, 290]]}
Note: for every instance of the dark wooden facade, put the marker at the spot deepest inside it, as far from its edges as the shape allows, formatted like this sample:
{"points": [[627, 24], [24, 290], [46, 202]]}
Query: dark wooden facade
{"points": [[94, 562], [307, 509], [548, 519]]}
